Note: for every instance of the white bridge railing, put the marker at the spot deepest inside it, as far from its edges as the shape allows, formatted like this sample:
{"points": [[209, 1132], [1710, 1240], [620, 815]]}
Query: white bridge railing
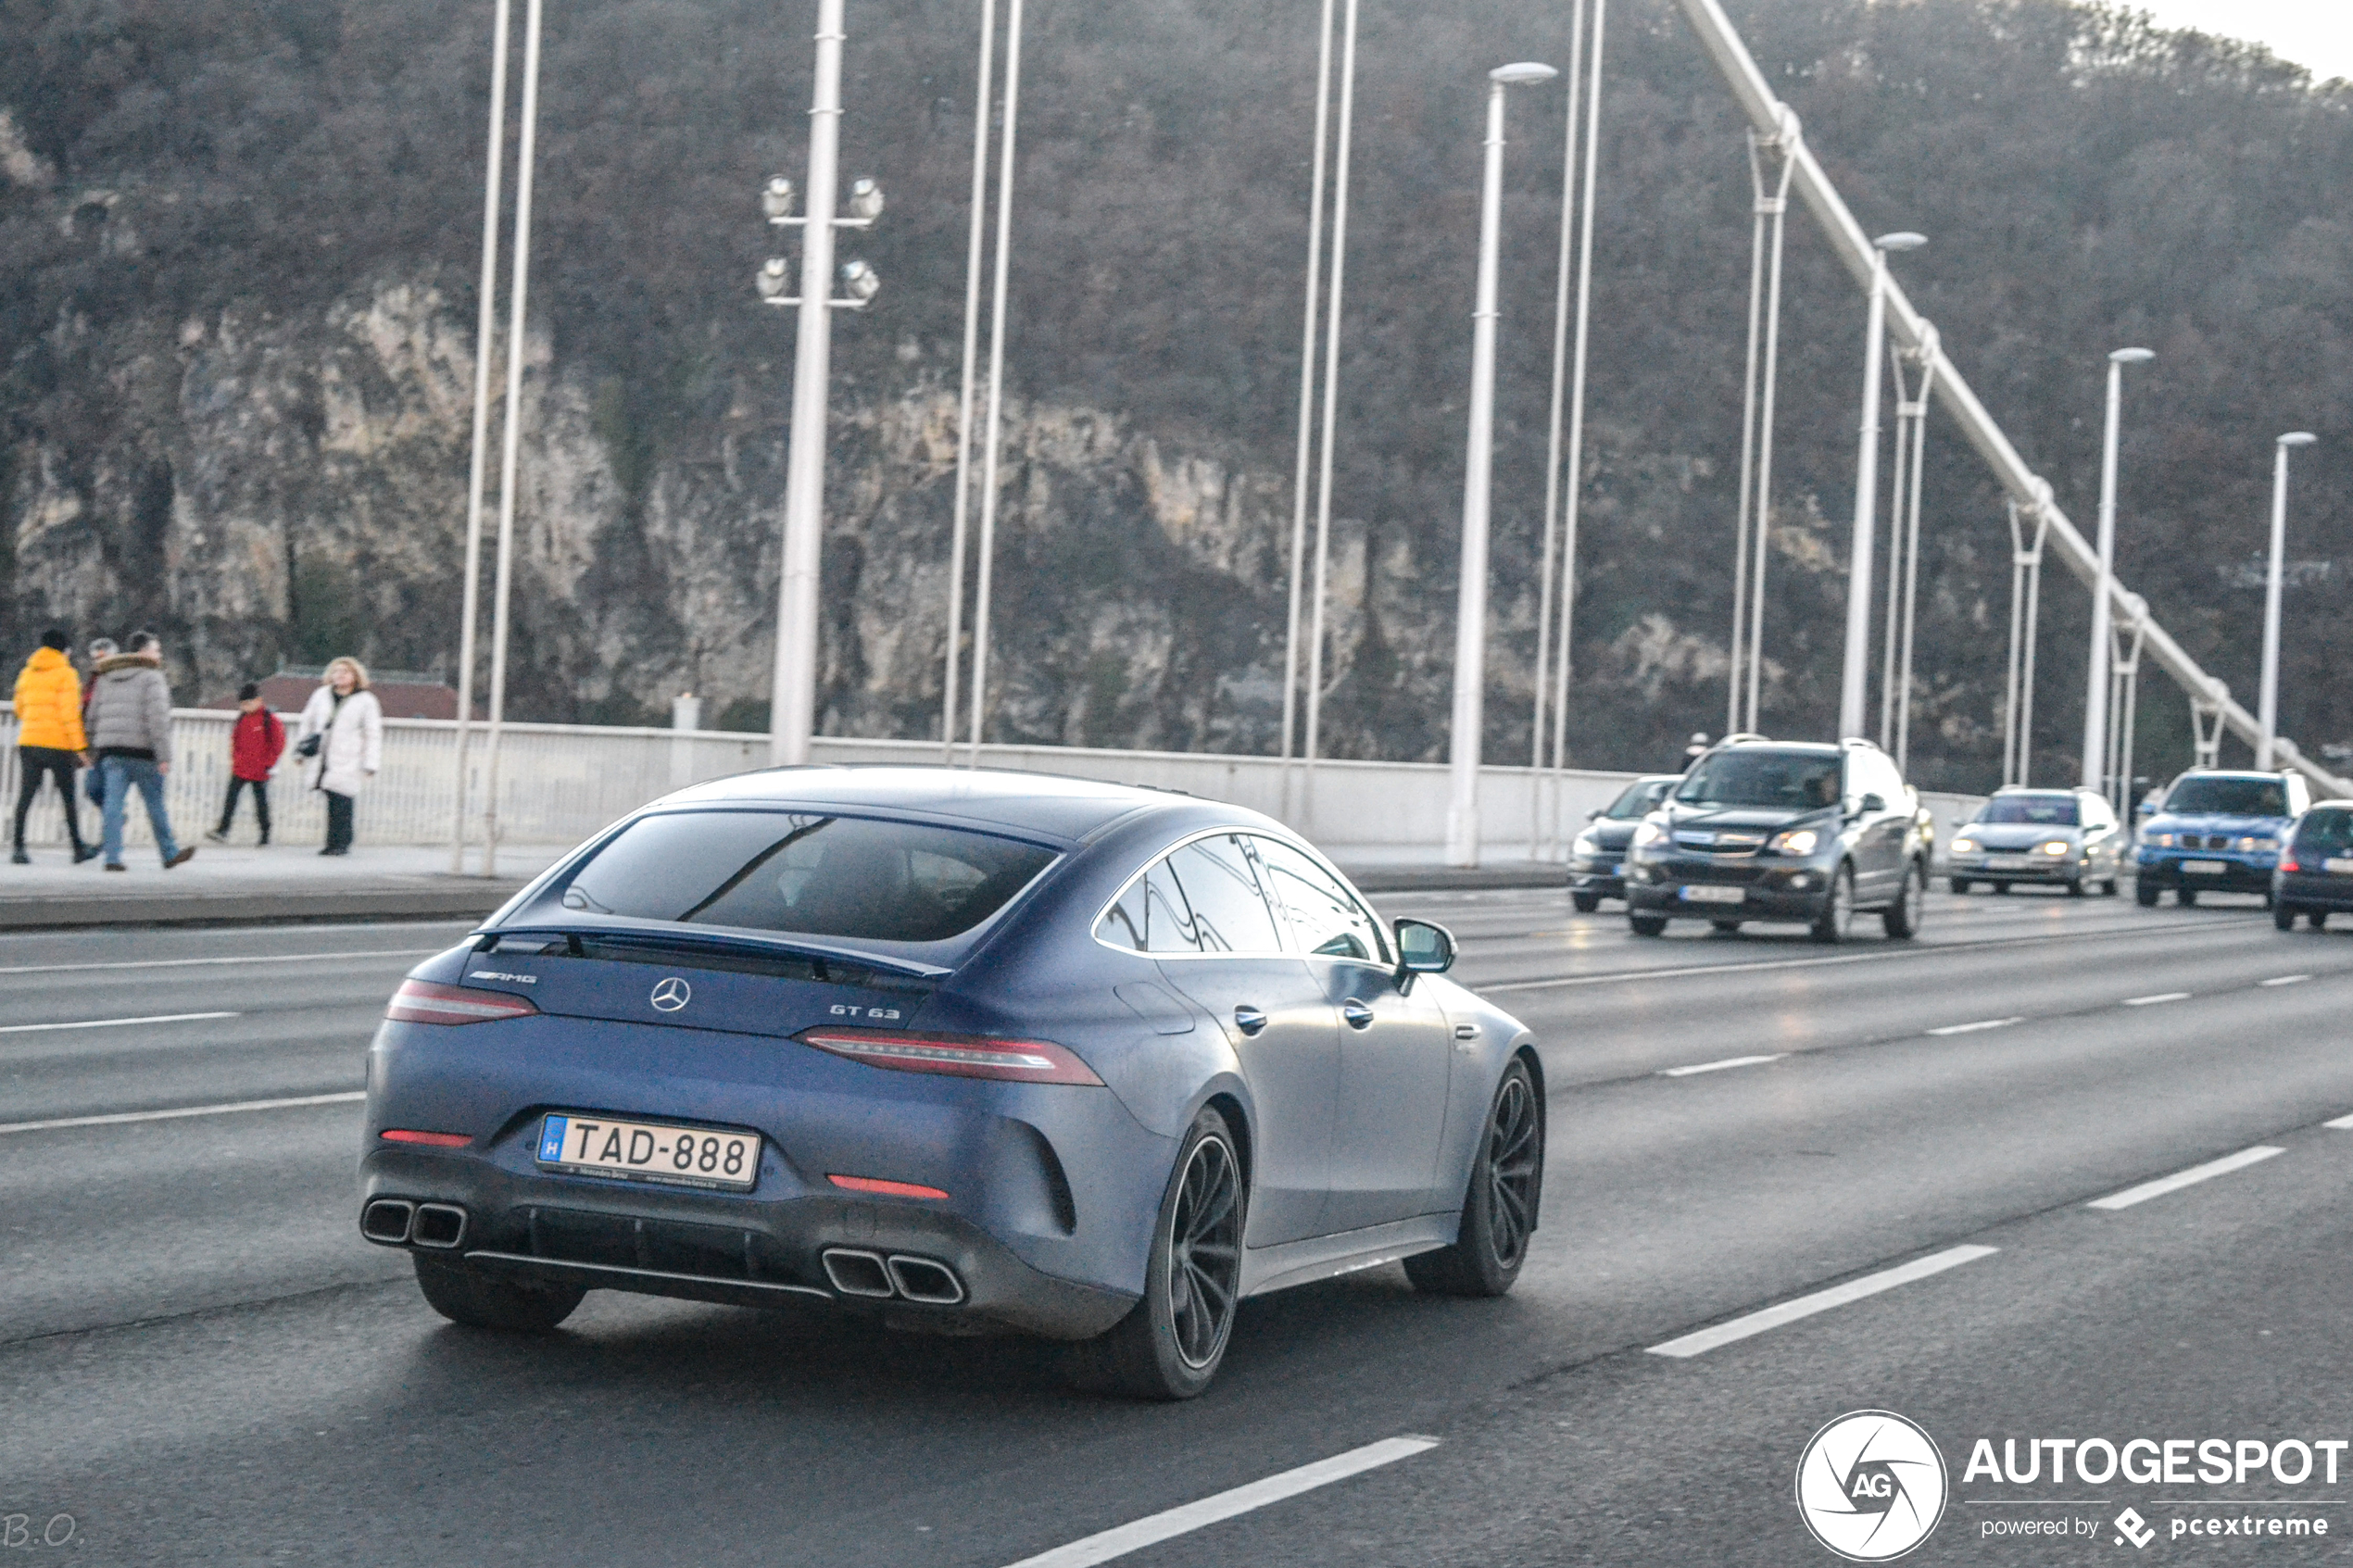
{"points": [[561, 783]]}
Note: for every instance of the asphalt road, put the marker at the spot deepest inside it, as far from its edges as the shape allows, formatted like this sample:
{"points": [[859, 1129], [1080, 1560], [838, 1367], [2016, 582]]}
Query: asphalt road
{"points": [[202, 1363]]}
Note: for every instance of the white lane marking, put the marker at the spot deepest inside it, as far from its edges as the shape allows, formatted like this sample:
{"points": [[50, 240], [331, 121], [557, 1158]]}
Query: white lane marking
{"points": [[1906, 950], [121, 1116], [114, 1022], [1158, 1527], [1980, 1023], [2195, 1173], [1719, 1066], [2161, 997], [2343, 1124], [189, 964], [1820, 1301], [2284, 980]]}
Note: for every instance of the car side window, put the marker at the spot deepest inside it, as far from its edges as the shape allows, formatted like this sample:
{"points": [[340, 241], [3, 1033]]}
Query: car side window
{"points": [[1869, 772], [1327, 921], [1151, 916], [2096, 812], [1230, 915]]}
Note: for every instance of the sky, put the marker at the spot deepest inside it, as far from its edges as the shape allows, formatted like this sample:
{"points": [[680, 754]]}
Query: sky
{"points": [[2317, 33]]}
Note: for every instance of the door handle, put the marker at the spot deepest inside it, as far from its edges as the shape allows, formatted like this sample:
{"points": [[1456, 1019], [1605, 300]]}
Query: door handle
{"points": [[1359, 1016], [1249, 1020]]}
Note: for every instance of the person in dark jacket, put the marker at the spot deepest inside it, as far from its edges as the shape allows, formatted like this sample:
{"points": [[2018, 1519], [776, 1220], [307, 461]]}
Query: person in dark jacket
{"points": [[129, 731], [256, 742]]}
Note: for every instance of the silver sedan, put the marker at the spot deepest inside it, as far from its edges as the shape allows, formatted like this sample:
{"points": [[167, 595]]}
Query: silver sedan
{"points": [[2064, 837]]}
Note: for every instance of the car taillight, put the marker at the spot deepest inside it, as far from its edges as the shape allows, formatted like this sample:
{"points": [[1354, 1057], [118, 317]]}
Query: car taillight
{"points": [[883, 1189], [431, 1140], [422, 1001], [962, 1056], [2289, 865]]}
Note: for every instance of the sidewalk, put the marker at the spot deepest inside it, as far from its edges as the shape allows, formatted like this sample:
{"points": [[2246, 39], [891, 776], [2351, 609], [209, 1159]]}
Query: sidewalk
{"points": [[241, 882]]}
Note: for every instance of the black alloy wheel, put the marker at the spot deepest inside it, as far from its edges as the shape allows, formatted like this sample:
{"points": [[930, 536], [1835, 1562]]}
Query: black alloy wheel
{"points": [[1170, 1346], [1500, 1206]]}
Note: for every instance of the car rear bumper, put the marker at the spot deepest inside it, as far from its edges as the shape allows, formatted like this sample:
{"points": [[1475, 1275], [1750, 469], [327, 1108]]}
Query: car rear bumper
{"points": [[745, 1251], [2308, 892]]}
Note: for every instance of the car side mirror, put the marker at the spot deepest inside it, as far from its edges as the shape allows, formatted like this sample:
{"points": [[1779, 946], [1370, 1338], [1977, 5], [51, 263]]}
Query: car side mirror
{"points": [[1594, 815], [1422, 948], [1872, 803]]}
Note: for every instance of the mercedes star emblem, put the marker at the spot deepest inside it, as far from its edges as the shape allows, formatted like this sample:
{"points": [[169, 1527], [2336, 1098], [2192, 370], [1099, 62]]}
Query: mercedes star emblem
{"points": [[671, 995]]}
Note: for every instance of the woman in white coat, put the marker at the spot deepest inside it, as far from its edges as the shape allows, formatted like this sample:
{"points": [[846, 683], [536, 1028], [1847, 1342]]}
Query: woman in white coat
{"points": [[342, 742]]}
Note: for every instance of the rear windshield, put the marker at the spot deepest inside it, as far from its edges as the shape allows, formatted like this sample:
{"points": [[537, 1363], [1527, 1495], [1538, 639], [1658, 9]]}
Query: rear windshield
{"points": [[2043, 811], [1786, 780], [2228, 797], [817, 875], [2326, 832], [1639, 796]]}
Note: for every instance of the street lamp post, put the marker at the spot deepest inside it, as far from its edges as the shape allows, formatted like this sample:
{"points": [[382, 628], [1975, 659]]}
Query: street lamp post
{"points": [[1470, 629], [2095, 684], [2268, 708], [1855, 675]]}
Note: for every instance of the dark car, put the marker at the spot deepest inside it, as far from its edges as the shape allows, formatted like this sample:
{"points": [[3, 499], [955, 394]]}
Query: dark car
{"points": [[971, 1051], [2217, 833], [1597, 858], [2314, 877], [1763, 830], [2061, 838]]}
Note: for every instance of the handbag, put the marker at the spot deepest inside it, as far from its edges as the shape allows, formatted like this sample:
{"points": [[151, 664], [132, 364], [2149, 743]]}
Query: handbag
{"points": [[308, 745]]}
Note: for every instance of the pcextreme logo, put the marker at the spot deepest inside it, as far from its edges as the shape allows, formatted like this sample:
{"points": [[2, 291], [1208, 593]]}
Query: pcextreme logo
{"points": [[1870, 1486]]}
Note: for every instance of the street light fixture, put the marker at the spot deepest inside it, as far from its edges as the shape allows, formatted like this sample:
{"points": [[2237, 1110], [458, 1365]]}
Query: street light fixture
{"points": [[2269, 706], [776, 199], [2095, 684], [1857, 670], [1470, 629]]}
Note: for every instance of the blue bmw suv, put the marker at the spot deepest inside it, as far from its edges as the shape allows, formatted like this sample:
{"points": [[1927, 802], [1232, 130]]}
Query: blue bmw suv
{"points": [[2217, 833]]}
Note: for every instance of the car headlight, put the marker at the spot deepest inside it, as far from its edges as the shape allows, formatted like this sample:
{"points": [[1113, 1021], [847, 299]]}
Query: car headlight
{"points": [[2058, 846], [1964, 846], [1797, 841], [2162, 840], [1583, 844], [2256, 841], [1647, 831]]}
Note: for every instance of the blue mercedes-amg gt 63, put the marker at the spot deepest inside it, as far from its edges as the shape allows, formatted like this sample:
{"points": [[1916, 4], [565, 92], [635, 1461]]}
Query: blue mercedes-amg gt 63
{"points": [[973, 1051]]}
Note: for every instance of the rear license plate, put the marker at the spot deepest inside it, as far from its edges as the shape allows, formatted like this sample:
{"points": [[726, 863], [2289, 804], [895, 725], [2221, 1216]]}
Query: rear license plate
{"points": [[1704, 894], [2009, 862], [2338, 865], [2206, 868], [649, 1151]]}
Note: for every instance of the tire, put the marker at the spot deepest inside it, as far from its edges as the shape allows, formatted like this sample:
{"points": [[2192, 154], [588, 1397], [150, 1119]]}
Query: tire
{"points": [[479, 1300], [1837, 920], [1726, 928], [2075, 888], [1961, 885], [1171, 1345], [1646, 925], [2145, 893], [1901, 919], [2283, 916], [2316, 918], [2108, 888], [1500, 1202], [2185, 896], [1586, 903], [2002, 888]]}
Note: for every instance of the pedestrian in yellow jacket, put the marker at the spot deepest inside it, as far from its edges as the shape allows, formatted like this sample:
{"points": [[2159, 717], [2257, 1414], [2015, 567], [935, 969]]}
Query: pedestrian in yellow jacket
{"points": [[49, 737]]}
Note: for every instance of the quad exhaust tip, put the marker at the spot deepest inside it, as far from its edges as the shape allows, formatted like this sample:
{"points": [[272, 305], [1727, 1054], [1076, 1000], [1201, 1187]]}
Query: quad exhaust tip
{"points": [[386, 1221], [438, 1225], [924, 1281]]}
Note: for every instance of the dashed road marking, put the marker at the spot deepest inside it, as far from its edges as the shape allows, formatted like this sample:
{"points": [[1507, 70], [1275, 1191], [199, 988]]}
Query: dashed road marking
{"points": [[2284, 980], [1719, 1066], [117, 1118], [114, 1022], [2161, 997], [1155, 1528], [2343, 1124], [1820, 1301], [2179, 1179], [1980, 1023]]}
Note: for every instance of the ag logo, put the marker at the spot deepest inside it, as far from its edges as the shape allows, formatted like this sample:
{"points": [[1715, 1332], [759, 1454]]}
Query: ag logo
{"points": [[1870, 1486], [671, 995]]}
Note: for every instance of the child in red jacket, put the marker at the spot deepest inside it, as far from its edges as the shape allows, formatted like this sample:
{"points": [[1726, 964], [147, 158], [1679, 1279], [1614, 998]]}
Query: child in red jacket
{"points": [[256, 742]]}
